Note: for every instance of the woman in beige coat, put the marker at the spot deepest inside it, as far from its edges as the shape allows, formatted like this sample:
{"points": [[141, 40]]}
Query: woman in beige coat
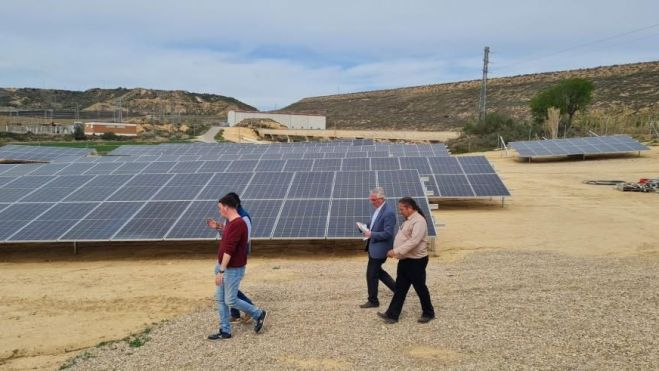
{"points": [[410, 247]]}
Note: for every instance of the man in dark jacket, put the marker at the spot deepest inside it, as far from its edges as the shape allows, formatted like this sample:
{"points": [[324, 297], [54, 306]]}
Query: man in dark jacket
{"points": [[380, 240]]}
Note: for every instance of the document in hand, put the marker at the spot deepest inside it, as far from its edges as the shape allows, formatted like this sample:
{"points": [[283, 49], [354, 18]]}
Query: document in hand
{"points": [[362, 227]]}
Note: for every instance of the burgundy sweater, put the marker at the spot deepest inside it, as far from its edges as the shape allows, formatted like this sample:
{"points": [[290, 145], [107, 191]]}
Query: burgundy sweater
{"points": [[234, 243]]}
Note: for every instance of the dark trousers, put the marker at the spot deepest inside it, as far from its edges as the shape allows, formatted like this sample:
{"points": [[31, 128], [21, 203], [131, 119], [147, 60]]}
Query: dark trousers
{"points": [[411, 272], [235, 312], [375, 273]]}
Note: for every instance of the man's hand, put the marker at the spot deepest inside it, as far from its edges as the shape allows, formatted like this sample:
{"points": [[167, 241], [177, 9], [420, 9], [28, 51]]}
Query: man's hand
{"points": [[391, 253], [367, 234], [212, 223], [219, 278]]}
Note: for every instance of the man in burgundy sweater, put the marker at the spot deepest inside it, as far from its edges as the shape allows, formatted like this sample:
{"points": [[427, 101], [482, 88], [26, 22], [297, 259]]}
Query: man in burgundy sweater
{"points": [[230, 269]]}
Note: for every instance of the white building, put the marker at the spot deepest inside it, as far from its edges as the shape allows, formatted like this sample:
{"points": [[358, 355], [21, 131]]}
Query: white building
{"points": [[292, 121]]}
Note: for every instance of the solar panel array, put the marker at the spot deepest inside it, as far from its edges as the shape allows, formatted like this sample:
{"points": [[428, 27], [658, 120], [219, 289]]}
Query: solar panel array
{"points": [[168, 191], [578, 146], [39, 153]]}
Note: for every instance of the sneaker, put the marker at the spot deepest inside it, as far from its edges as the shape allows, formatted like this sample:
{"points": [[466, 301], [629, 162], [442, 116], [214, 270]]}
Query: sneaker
{"points": [[387, 319], [425, 319], [260, 321], [219, 336], [246, 318], [234, 319]]}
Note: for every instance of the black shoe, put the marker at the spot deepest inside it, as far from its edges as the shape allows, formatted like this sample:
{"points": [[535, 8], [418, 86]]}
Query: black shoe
{"points": [[425, 319], [369, 304], [219, 336], [386, 318], [260, 321]]}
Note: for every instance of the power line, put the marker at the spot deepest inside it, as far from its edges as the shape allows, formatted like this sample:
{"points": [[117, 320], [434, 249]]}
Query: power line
{"points": [[561, 51]]}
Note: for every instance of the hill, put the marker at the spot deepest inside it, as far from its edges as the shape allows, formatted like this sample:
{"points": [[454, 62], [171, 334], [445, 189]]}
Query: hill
{"points": [[135, 102], [620, 90]]}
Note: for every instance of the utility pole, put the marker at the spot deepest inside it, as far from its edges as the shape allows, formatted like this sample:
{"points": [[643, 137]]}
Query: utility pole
{"points": [[482, 102]]}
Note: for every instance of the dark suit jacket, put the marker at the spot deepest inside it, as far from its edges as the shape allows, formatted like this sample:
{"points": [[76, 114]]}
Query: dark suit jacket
{"points": [[382, 233]]}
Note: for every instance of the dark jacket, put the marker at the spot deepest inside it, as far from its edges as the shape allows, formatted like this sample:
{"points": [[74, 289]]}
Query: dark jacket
{"points": [[382, 233]]}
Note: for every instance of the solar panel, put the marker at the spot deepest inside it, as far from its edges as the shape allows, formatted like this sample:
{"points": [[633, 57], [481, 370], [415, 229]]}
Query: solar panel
{"points": [[311, 185], [354, 184], [223, 183], [400, 183], [486, 185], [131, 168], [454, 185], [102, 222], [268, 186], [104, 168], [475, 165], [141, 187], [578, 146], [158, 167], [216, 166], [242, 166], [302, 219], [192, 224], [76, 168], [445, 165], [153, 221], [361, 164], [298, 165], [183, 187], [186, 167], [418, 163], [21, 169], [329, 164], [17, 216], [344, 214], [54, 222], [387, 163], [270, 165], [264, 215], [6, 167]]}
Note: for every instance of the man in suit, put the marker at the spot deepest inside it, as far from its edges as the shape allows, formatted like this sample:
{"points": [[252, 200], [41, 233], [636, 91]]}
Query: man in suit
{"points": [[380, 240]]}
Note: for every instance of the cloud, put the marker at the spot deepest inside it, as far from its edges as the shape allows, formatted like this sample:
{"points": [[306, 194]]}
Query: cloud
{"points": [[270, 54]]}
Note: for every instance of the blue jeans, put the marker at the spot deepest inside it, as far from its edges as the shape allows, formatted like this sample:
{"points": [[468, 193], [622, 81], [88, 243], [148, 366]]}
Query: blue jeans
{"points": [[235, 312], [226, 295]]}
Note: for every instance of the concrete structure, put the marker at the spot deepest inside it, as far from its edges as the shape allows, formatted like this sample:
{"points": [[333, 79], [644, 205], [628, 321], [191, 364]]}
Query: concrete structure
{"points": [[292, 121], [118, 128], [50, 129]]}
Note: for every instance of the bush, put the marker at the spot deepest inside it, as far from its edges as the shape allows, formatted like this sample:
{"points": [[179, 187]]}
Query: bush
{"points": [[484, 135], [79, 132], [110, 136]]}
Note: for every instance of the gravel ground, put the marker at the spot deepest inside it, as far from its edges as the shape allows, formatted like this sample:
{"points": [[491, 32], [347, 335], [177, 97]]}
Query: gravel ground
{"points": [[496, 310]]}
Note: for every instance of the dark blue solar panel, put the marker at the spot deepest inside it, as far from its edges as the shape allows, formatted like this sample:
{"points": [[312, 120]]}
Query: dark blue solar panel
{"points": [[54, 222], [486, 185], [401, 183], [298, 165], [311, 185], [264, 214], [223, 183], [192, 223], [476, 165], [302, 219], [153, 221], [354, 184], [268, 186], [386, 163], [344, 214], [452, 185]]}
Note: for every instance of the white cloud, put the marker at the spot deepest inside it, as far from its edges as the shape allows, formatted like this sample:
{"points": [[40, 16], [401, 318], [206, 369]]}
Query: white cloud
{"points": [[272, 53]]}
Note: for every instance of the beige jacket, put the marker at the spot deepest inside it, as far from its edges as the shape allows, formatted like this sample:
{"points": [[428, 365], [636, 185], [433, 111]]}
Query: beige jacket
{"points": [[412, 238]]}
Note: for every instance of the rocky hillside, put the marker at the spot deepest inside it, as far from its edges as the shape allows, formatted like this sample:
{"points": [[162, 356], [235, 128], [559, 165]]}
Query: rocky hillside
{"points": [[134, 102], [631, 89]]}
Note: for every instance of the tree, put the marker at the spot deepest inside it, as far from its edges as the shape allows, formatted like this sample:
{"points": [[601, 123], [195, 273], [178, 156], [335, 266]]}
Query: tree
{"points": [[78, 132], [569, 96]]}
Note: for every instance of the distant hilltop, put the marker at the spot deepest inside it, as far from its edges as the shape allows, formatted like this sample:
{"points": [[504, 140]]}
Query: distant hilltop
{"points": [[620, 91], [135, 102]]}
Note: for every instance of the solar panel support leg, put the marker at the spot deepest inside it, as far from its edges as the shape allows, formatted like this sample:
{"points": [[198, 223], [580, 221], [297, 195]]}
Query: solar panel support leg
{"points": [[502, 201], [75, 248]]}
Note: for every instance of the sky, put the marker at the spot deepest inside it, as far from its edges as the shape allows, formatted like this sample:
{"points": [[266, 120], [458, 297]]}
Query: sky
{"points": [[270, 54]]}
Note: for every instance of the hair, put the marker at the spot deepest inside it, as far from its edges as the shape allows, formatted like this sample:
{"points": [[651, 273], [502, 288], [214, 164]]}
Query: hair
{"points": [[409, 202], [378, 191], [236, 197], [229, 201]]}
